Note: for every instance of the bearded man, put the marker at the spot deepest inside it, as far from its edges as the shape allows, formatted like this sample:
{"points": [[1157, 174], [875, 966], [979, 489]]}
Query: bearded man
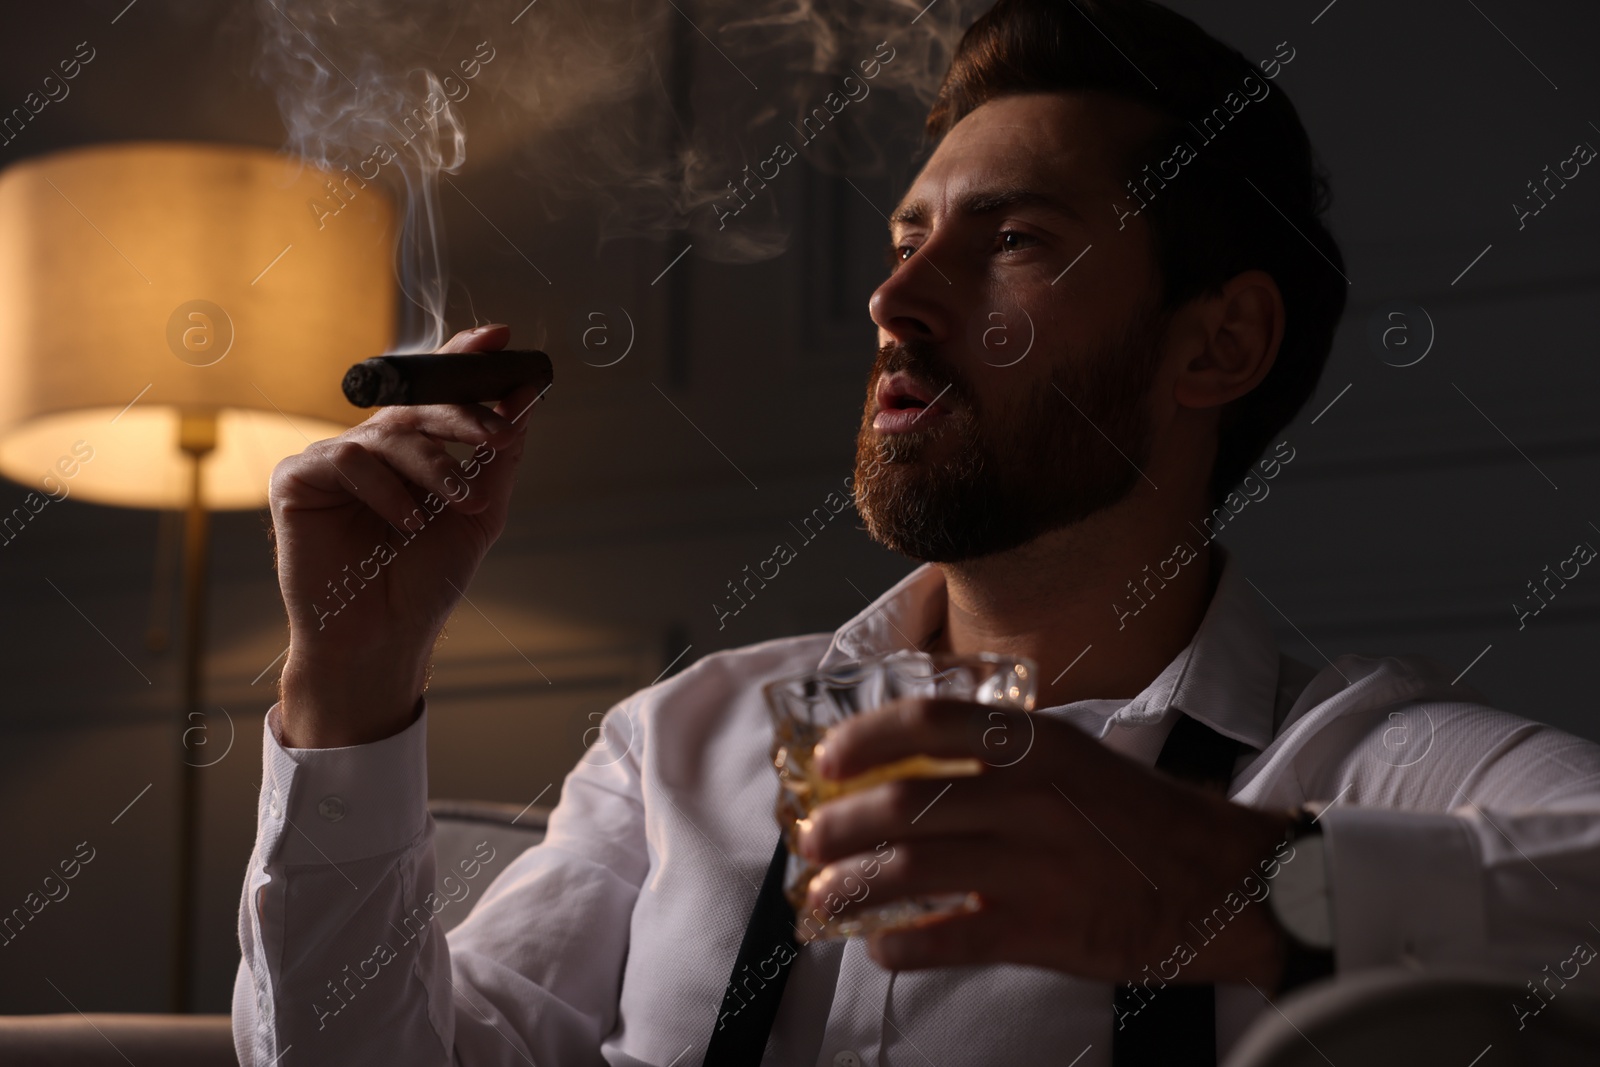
{"points": [[1199, 822]]}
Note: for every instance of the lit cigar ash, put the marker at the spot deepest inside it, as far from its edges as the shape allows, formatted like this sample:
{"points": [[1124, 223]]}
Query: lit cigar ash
{"points": [[444, 378]]}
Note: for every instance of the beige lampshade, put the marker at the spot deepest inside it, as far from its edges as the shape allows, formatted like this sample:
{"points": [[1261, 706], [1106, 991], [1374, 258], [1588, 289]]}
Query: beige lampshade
{"points": [[141, 281]]}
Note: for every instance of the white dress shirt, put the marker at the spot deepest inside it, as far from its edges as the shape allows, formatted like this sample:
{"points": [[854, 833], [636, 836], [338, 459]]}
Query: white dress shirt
{"points": [[1459, 834]]}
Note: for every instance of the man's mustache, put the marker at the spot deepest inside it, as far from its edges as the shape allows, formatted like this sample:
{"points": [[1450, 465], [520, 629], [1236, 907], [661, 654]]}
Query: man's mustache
{"points": [[922, 361]]}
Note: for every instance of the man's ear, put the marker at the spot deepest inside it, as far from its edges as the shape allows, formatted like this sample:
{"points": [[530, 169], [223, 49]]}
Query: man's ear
{"points": [[1239, 329]]}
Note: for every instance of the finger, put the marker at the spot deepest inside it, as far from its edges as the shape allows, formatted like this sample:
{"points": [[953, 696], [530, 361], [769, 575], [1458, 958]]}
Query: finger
{"points": [[939, 866], [420, 459], [949, 729], [494, 463], [910, 809], [467, 423], [518, 405], [330, 473], [965, 938], [490, 337]]}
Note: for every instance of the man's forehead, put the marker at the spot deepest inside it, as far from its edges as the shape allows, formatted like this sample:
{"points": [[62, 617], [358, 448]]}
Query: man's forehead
{"points": [[952, 187], [1044, 141], [982, 166]]}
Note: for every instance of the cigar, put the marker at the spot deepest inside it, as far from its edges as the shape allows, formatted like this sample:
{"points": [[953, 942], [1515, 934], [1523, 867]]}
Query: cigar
{"points": [[444, 378]]}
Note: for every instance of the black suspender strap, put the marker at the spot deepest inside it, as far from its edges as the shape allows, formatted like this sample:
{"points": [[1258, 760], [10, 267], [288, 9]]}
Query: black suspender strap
{"points": [[750, 1005], [1176, 1028], [1175, 1025]]}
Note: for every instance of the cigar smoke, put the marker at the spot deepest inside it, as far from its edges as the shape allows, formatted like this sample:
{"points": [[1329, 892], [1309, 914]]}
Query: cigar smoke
{"points": [[649, 109]]}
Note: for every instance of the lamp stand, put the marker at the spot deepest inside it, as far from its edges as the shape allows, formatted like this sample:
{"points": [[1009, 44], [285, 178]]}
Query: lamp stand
{"points": [[197, 437]]}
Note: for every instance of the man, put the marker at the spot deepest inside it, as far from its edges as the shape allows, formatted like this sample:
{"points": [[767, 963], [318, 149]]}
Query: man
{"points": [[1063, 503]]}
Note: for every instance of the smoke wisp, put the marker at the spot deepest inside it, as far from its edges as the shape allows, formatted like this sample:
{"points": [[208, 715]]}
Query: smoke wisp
{"points": [[666, 117]]}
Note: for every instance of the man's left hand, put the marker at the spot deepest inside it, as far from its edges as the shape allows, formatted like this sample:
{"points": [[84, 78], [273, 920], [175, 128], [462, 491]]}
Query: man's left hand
{"points": [[1081, 859]]}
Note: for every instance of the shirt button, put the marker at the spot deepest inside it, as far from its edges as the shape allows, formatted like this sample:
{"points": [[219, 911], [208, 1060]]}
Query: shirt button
{"points": [[272, 801], [846, 1059], [331, 808]]}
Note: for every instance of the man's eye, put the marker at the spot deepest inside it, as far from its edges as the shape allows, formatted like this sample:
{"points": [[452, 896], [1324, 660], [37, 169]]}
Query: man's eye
{"points": [[1016, 241], [898, 254]]}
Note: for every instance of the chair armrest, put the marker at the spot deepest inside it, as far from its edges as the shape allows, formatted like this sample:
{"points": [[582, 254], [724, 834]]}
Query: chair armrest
{"points": [[467, 831], [1395, 1016], [113, 1040]]}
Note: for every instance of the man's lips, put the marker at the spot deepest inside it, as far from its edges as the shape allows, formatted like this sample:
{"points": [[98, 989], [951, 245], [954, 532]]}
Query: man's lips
{"points": [[904, 404]]}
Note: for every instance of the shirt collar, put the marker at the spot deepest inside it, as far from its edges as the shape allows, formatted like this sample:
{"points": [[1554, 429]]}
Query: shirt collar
{"points": [[1226, 676]]}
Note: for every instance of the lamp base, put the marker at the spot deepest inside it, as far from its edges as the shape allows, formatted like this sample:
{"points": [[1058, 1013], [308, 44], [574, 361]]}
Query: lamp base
{"points": [[197, 436]]}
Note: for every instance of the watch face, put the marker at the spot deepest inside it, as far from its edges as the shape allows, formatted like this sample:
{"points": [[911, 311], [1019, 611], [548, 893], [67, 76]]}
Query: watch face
{"points": [[1300, 894]]}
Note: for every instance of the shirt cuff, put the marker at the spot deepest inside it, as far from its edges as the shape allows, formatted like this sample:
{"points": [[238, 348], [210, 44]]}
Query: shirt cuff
{"points": [[1405, 887], [332, 805]]}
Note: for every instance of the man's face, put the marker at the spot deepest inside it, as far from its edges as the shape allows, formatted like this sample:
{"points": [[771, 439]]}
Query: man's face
{"points": [[1017, 331]]}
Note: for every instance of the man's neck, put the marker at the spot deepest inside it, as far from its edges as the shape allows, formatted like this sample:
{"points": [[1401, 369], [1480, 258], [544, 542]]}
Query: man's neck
{"points": [[1064, 600]]}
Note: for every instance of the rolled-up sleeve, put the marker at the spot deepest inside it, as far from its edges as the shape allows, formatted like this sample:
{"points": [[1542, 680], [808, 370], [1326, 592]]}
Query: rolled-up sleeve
{"points": [[341, 960]]}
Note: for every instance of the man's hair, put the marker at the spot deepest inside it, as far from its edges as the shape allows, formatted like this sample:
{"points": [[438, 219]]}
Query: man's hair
{"points": [[1252, 197]]}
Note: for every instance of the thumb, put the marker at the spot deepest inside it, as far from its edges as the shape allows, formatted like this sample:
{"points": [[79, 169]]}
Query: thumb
{"points": [[487, 338]]}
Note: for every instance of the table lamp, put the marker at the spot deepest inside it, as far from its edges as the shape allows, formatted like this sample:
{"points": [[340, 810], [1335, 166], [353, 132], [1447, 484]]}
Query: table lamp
{"points": [[183, 313]]}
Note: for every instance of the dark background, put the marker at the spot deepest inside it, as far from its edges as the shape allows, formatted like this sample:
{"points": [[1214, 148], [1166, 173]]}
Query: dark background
{"points": [[1415, 511]]}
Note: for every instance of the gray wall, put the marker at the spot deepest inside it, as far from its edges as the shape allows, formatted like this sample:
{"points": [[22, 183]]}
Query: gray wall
{"points": [[1409, 520]]}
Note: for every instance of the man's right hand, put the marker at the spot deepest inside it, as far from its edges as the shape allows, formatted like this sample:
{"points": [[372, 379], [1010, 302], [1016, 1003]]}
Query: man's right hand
{"points": [[378, 533]]}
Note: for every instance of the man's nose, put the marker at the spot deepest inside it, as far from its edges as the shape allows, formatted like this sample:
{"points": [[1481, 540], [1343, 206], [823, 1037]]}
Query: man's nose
{"points": [[915, 302]]}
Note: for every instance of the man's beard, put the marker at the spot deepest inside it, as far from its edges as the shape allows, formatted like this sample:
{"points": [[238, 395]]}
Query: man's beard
{"points": [[1037, 465]]}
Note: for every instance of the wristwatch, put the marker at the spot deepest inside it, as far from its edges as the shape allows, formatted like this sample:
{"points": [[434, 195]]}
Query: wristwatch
{"points": [[1300, 903]]}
